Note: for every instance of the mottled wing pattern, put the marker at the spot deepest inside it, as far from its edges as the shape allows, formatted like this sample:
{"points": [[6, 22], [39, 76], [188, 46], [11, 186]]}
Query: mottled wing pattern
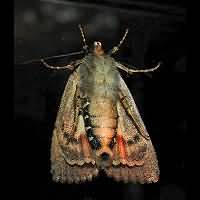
{"points": [[71, 155], [134, 155]]}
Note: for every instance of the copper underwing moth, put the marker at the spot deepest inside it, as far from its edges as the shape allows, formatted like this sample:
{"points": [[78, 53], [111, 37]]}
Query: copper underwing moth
{"points": [[98, 126]]}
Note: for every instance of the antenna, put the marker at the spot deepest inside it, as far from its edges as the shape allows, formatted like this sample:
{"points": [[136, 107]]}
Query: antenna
{"points": [[116, 48], [85, 47]]}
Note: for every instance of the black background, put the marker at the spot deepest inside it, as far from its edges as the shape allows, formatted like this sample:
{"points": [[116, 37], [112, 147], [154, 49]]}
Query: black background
{"points": [[157, 33]]}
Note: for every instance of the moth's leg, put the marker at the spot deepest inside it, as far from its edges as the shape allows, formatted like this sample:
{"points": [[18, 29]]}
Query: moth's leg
{"points": [[131, 71], [71, 66]]}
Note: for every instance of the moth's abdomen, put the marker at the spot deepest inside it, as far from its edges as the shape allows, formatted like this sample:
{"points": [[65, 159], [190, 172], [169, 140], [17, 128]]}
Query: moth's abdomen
{"points": [[103, 123]]}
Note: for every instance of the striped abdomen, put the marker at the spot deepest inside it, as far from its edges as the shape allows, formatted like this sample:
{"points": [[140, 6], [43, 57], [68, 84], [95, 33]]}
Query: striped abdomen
{"points": [[101, 122]]}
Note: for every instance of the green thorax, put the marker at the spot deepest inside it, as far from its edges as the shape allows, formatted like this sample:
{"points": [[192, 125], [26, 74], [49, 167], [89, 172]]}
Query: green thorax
{"points": [[98, 76]]}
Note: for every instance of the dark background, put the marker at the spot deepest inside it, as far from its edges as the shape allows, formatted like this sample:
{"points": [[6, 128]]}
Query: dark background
{"points": [[157, 33]]}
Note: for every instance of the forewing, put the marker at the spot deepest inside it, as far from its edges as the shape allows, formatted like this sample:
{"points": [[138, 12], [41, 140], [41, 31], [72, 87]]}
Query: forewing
{"points": [[71, 155], [134, 155]]}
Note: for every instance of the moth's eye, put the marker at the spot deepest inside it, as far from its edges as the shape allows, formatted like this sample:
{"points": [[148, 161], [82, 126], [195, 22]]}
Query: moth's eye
{"points": [[97, 43]]}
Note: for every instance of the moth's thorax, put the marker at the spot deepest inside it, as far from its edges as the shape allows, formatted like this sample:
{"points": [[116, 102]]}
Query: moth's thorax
{"points": [[99, 76]]}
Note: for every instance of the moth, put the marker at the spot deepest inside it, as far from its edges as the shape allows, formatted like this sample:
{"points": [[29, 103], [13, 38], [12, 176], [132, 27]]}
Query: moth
{"points": [[98, 125]]}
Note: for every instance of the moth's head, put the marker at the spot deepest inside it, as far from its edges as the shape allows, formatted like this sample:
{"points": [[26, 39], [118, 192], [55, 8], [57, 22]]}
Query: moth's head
{"points": [[97, 48]]}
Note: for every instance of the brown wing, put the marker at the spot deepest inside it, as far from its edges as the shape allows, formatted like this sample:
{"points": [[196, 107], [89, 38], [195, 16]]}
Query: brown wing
{"points": [[134, 155], [71, 158]]}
